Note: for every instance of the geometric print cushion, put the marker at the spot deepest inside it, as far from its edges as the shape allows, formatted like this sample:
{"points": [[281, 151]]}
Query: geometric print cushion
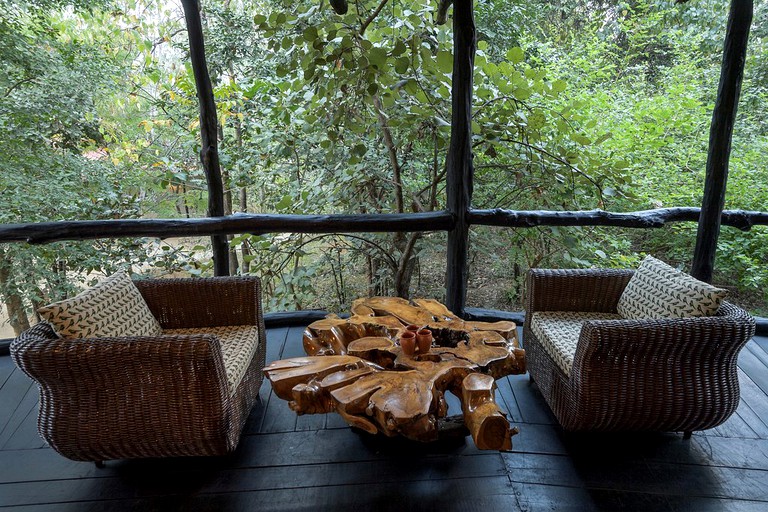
{"points": [[238, 345], [559, 331], [658, 290], [114, 307]]}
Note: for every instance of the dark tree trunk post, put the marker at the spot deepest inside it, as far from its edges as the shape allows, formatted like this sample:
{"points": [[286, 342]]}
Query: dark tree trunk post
{"points": [[459, 170], [720, 134], [209, 152]]}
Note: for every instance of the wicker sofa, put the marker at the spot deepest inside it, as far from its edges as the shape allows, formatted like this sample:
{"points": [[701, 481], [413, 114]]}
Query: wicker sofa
{"points": [[186, 392], [672, 374]]}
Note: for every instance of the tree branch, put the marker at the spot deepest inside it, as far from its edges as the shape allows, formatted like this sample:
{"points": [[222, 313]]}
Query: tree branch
{"points": [[372, 17], [557, 159], [392, 150], [442, 12], [16, 85]]}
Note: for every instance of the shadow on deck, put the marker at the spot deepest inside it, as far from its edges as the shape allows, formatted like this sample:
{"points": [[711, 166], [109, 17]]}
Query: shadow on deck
{"points": [[316, 462]]}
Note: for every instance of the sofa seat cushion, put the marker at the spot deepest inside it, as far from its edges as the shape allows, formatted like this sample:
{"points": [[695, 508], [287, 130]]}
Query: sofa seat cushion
{"points": [[113, 307], [658, 290], [559, 331], [238, 346]]}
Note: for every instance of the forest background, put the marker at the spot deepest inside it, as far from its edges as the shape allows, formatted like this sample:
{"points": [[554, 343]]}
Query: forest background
{"points": [[578, 105]]}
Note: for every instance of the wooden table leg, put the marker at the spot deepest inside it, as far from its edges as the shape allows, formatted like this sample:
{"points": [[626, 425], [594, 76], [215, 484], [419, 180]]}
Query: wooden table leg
{"points": [[487, 424]]}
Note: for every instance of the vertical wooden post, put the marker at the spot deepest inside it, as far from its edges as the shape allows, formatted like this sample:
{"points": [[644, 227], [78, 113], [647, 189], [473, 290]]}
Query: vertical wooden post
{"points": [[209, 151], [459, 169], [720, 135]]}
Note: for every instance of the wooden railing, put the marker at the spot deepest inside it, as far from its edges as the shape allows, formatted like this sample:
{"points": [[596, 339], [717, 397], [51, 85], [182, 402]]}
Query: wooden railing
{"points": [[46, 232]]}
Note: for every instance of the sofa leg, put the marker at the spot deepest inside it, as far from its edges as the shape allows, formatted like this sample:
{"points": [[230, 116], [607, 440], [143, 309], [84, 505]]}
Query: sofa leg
{"points": [[100, 464], [687, 434]]}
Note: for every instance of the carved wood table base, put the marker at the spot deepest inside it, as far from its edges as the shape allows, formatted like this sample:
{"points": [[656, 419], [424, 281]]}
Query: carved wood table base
{"points": [[356, 367]]}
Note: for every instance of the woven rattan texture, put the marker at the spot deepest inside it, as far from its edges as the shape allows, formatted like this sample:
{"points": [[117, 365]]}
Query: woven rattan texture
{"points": [[136, 397], [558, 332], [238, 346], [635, 375]]}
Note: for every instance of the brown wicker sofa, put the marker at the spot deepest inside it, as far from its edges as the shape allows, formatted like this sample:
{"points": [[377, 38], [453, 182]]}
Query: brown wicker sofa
{"points": [[673, 374], [186, 392]]}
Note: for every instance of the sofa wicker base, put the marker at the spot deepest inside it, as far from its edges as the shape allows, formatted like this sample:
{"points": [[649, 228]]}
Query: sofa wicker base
{"points": [[635, 375], [150, 396]]}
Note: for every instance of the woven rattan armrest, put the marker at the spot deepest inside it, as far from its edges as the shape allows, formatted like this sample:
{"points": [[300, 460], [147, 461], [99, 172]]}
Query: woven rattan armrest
{"points": [[661, 346], [167, 366], [204, 302], [575, 289], [104, 398]]}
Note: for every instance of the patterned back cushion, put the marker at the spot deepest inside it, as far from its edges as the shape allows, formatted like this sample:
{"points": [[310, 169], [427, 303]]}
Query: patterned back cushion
{"points": [[114, 307], [657, 290]]}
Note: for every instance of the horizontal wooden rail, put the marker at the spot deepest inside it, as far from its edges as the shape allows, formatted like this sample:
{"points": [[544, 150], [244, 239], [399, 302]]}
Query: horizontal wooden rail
{"points": [[743, 220], [45, 232]]}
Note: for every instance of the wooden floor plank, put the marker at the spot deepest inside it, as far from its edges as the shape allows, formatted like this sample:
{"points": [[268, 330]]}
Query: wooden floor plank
{"points": [[532, 407], [276, 343], [294, 344], [540, 497], [711, 481], [21, 413], [754, 399], [25, 435], [6, 368], [277, 415], [735, 426], [761, 341], [265, 450], [618, 501], [755, 422], [275, 340], [507, 396], [698, 504], [754, 368], [481, 494], [13, 393], [757, 351], [141, 481], [538, 438]]}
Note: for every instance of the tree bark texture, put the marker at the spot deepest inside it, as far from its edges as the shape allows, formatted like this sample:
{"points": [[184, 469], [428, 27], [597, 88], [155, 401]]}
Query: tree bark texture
{"points": [[740, 219], [720, 136], [459, 169], [14, 305], [209, 152], [46, 232]]}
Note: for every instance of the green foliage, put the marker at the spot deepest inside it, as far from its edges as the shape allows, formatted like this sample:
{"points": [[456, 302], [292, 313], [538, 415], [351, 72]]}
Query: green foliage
{"points": [[577, 105], [58, 160]]}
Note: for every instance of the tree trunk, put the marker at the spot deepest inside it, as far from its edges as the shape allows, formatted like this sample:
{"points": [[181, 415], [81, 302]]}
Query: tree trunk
{"points": [[13, 303], [233, 263], [245, 248], [209, 152], [720, 135], [405, 245], [459, 169]]}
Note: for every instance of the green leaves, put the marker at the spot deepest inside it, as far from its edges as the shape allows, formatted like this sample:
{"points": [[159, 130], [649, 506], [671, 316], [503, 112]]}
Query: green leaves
{"points": [[445, 61], [377, 57], [515, 55]]}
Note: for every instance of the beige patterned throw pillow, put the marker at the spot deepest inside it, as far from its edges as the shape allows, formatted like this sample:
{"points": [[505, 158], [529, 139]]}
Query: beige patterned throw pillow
{"points": [[658, 290], [114, 307]]}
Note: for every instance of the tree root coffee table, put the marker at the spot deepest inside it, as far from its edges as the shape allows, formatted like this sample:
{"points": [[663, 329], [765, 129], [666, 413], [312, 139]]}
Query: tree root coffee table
{"points": [[357, 368]]}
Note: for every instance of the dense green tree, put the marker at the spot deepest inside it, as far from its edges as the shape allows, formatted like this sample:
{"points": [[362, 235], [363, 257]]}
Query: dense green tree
{"points": [[577, 106]]}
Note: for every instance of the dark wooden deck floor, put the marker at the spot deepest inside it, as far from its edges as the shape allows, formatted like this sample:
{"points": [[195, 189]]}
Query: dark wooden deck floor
{"points": [[316, 463]]}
